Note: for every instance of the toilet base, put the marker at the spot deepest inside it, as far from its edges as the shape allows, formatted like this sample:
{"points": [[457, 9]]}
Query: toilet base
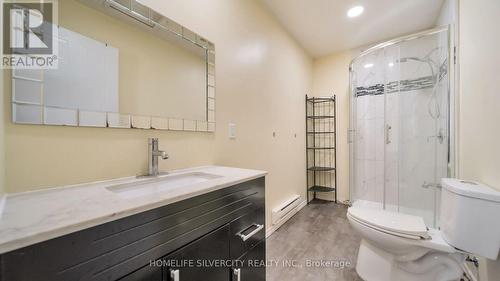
{"points": [[374, 264]]}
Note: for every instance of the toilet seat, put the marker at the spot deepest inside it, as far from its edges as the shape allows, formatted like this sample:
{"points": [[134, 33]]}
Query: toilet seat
{"points": [[399, 247], [428, 238], [398, 224]]}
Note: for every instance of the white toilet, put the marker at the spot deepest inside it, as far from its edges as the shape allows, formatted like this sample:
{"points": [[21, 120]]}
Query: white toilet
{"points": [[399, 247]]}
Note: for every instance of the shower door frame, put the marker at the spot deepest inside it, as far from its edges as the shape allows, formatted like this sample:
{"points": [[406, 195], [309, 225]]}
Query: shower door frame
{"points": [[453, 103]]}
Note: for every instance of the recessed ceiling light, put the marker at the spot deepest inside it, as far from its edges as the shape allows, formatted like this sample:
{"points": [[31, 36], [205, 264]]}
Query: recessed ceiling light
{"points": [[355, 11], [391, 64], [368, 65]]}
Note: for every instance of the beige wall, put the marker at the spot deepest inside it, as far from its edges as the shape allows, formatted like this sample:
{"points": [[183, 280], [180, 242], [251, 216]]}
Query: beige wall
{"points": [[480, 97], [262, 77], [480, 94], [331, 75]]}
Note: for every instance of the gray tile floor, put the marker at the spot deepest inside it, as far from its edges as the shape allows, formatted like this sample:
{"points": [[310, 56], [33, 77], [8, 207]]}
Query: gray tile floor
{"points": [[319, 233]]}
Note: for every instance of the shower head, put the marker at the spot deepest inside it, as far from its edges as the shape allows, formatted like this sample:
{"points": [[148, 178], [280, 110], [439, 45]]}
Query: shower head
{"points": [[432, 65], [403, 60], [426, 58]]}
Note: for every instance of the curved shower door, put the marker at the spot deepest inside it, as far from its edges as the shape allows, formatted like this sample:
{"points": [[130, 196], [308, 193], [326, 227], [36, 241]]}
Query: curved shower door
{"points": [[417, 121], [399, 119], [367, 121]]}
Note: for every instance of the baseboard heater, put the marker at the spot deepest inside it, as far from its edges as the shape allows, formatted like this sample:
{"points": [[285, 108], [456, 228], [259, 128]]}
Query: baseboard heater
{"points": [[283, 209]]}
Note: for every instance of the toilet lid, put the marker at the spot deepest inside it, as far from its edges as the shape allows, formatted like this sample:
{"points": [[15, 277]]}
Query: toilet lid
{"points": [[392, 222], [471, 189]]}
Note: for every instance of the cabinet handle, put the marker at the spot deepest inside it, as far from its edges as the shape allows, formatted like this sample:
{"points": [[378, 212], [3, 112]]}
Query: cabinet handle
{"points": [[174, 275], [245, 237], [237, 274]]}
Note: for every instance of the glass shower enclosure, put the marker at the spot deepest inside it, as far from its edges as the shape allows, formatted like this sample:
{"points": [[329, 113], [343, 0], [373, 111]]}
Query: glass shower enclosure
{"points": [[400, 124]]}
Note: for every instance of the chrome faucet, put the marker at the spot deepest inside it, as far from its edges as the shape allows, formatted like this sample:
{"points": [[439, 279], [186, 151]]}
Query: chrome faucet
{"points": [[153, 155]]}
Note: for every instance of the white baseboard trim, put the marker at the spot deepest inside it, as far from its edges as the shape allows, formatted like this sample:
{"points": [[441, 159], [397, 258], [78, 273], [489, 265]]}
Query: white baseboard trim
{"points": [[275, 227]]}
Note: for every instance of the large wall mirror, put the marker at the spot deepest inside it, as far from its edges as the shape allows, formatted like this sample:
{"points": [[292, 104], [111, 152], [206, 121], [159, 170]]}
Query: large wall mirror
{"points": [[121, 65]]}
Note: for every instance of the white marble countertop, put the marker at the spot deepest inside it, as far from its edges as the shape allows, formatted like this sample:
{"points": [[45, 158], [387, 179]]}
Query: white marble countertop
{"points": [[32, 217]]}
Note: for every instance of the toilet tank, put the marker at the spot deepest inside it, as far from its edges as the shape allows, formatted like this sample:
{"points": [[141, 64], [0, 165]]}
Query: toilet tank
{"points": [[470, 217]]}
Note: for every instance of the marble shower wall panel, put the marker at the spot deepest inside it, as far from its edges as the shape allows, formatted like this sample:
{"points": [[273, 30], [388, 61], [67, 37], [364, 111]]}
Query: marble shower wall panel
{"points": [[369, 156], [391, 118], [419, 119], [369, 141], [391, 163], [400, 71], [379, 140], [365, 180], [370, 69], [418, 48], [416, 152]]}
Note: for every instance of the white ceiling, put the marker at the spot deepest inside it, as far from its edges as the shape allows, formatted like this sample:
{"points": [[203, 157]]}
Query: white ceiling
{"points": [[322, 26]]}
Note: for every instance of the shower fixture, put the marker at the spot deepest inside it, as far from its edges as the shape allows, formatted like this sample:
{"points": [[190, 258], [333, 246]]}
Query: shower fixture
{"points": [[433, 101], [426, 59]]}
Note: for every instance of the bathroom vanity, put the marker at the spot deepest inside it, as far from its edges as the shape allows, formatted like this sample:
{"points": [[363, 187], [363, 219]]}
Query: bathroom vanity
{"points": [[204, 223]]}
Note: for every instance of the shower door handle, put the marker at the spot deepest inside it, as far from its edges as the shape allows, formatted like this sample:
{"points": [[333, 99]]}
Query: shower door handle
{"points": [[387, 134]]}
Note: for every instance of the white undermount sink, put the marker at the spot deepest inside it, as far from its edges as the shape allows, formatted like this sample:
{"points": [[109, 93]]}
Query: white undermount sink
{"points": [[160, 184]]}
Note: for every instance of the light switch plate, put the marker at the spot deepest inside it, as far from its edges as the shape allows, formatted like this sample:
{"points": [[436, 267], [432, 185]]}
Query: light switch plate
{"points": [[232, 131]]}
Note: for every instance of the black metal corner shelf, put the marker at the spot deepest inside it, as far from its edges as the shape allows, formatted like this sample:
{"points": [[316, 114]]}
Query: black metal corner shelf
{"points": [[320, 117], [319, 188], [319, 133], [320, 146], [321, 169]]}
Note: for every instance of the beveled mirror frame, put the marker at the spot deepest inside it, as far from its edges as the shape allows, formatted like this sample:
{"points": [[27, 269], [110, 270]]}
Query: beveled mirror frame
{"points": [[140, 15]]}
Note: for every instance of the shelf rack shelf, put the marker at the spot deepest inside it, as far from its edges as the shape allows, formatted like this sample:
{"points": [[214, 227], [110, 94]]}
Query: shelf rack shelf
{"points": [[321, 169], [320, 117], [320, 146], [318, 133], [319, 188]]}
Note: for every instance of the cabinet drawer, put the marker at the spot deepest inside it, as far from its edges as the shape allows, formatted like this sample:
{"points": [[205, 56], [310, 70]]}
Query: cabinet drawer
{"points": [[147, 273], [194, 262], [253, 268], [246, 232]]}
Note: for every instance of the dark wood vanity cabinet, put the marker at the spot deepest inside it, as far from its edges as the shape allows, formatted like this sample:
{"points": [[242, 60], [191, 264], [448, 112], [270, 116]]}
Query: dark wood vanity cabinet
{"points": [[210, 237]]}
